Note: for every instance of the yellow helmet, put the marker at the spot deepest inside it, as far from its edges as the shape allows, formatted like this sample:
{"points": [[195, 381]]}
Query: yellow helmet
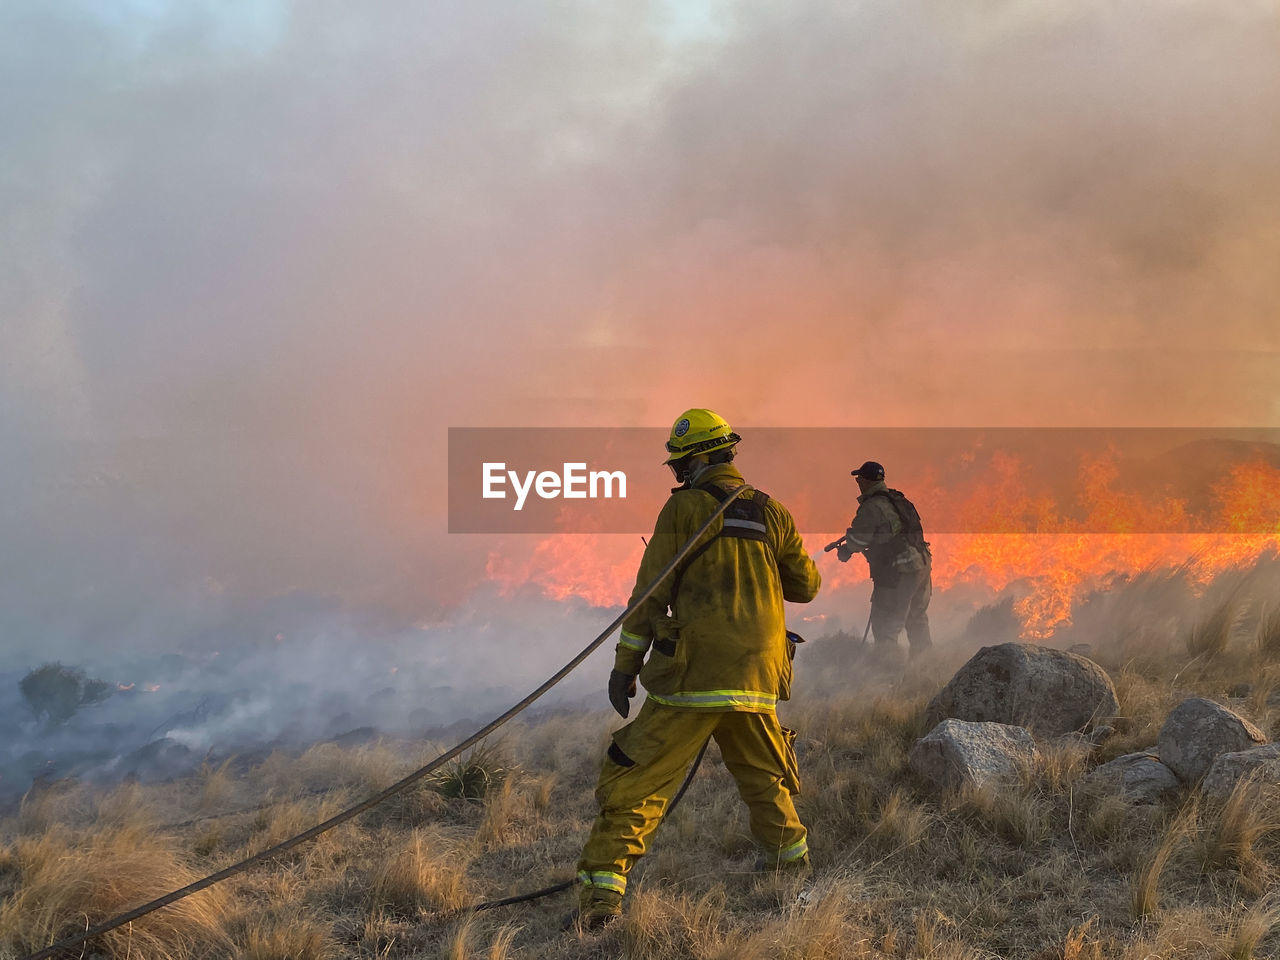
{"points": [[698, 431]]}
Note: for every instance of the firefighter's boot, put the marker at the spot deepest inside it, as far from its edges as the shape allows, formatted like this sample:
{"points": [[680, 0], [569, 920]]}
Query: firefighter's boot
{"points": [[799, 867], [596, 908]]}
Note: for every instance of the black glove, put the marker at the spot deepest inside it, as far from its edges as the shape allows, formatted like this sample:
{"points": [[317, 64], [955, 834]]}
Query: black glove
{"points": [[844, 552], [622, 687]]}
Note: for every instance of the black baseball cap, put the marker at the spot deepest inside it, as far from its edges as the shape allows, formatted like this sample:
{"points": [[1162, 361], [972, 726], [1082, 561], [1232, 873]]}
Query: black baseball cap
{"points": [[869, 471]]}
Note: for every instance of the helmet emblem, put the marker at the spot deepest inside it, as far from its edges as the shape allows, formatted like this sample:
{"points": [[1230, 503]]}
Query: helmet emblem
{"points": [[682, 427]]}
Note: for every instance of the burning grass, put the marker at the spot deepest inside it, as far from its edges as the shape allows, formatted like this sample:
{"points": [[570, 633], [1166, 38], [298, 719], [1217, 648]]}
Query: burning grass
{"points": [[1040, 869]]}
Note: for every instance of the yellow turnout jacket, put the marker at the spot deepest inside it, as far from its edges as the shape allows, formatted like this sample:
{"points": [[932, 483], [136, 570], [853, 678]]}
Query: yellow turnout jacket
{"points": [[724, 646]]}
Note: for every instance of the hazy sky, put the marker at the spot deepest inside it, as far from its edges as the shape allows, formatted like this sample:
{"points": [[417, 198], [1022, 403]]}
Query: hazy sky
{"points": [[258, 257]]}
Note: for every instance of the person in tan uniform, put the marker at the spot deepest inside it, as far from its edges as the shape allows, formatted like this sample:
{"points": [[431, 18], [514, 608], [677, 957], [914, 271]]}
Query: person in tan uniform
{"points": [[710, 647], [887, 530]]}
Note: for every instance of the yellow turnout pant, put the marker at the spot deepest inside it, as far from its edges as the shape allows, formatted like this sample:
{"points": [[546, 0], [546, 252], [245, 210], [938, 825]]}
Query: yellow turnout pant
{"points": [[648, 759]]}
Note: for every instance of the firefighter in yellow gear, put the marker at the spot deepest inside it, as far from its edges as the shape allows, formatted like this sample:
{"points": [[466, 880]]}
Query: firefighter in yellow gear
{"points": [[718, 661]]}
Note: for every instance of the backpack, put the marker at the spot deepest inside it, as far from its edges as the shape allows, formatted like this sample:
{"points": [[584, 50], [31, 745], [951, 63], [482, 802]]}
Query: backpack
{"points": [[882, 557]]}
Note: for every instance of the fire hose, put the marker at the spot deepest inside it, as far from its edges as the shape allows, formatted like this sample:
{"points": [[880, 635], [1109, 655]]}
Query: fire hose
{"points": [[405, 782], [488, 904]]}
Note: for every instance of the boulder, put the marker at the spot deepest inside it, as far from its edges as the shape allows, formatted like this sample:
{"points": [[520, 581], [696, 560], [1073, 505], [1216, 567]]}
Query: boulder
{"points": [[1198, 730], [1050, 692], [1228, 769], [1136, 777], [960, 753]]}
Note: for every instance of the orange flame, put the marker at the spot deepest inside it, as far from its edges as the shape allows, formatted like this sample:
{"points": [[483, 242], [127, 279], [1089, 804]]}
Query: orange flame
{"points": [[1058, 565]]}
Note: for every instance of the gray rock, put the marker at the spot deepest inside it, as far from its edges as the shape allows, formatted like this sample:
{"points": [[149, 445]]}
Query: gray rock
{"points": [[960, 753], [1050, 692], [1260, 763], [1137, 777], [1198, 730]]}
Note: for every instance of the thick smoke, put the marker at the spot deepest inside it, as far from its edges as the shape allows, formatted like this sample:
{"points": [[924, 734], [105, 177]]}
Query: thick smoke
{"points": [[255, 264]]}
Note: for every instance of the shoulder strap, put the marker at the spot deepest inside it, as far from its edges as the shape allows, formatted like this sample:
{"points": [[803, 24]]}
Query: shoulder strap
{"points": [[743, 520], [912, 527]]}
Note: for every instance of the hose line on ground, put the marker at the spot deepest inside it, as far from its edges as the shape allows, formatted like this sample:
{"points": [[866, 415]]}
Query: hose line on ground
{"points": [[400, 785]]}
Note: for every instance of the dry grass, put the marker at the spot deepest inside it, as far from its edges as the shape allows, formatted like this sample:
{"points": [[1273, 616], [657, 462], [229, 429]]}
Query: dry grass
{"points": [[294, 937], [1144, 703], [474, 774], [1232, 838], [44, 807], [1037, 869], [1269, 631], [1144, 893], [901, 822], [498, 827], [217, 787], [813, 922], [424, 876], [1253, 927], [66, 882], [1211, 635]]}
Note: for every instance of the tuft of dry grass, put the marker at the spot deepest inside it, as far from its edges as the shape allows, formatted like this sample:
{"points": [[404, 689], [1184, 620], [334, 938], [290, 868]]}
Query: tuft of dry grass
{"points": [[1144, 703], [1055, 766], [128, 807], [425, 875], [1211, 635], [1253, 927], [500, 948], [814, 922], [473, 775], [217, 787], [1081, 944], [1268, 638], [665, 927], [1144, 891], [1015, 816], [1250, 814], [287, 938], [61, 802], [901, 822], [67, 883], [497, 825], [1105, 819], [280, 822]]}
